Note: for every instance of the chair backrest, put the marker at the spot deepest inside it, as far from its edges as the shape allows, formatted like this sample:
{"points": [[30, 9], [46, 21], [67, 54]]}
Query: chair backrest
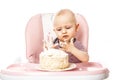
{"points": [[34, 34]]}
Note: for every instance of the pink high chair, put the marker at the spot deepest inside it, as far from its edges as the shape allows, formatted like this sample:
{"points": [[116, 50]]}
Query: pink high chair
{"points": [[34, 34]]}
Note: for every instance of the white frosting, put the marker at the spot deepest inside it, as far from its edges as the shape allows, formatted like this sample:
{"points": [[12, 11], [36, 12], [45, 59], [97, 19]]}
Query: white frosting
{"points": [[54, 59], [54, 52]]}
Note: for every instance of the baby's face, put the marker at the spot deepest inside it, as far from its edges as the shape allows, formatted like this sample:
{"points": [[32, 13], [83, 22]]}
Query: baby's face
{"points": [[65, 27]]}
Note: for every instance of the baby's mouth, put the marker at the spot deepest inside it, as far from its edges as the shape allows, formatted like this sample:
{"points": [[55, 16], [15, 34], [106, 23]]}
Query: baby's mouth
{"points": [[65, 38]]}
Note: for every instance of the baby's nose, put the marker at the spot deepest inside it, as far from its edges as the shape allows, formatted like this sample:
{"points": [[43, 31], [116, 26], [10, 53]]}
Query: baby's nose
{"points": [[64, 31]]}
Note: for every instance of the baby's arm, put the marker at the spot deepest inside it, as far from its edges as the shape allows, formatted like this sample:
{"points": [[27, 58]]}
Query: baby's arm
{"points": [[81, 55]]}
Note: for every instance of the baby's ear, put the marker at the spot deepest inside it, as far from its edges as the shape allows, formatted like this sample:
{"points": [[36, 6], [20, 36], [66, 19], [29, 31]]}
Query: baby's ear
{"points": [[77, 27]]}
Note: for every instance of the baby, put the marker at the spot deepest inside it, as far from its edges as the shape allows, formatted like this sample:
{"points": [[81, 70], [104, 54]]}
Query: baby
{"points": [[65, 27]]}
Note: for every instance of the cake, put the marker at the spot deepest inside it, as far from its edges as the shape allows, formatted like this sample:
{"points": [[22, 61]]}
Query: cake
{"points": [[52, 59]]}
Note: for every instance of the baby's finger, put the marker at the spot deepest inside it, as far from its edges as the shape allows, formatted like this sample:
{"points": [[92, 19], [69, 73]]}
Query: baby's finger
{"points": [[63, 44], [54, 45], [71, 40], [62, 49]]}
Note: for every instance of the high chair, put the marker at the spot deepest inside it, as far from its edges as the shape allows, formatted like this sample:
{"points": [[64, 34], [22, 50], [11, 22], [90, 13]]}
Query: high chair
{"points": [[35, 33], [36, 30]]}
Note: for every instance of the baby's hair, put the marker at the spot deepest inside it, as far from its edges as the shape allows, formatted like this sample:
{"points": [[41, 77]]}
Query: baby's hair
{"points": [[66, 12]]}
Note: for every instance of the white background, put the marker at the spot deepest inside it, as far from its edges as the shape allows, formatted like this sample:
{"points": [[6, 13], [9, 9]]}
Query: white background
{"points": [[103, 18]]}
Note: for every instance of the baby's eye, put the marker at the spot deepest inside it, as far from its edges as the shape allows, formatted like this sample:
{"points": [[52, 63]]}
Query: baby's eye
{"points": [[68, 27], [58, 29]]}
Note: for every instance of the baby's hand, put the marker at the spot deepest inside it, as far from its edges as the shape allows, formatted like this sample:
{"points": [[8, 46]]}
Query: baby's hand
{"points": [[66, 46]]}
